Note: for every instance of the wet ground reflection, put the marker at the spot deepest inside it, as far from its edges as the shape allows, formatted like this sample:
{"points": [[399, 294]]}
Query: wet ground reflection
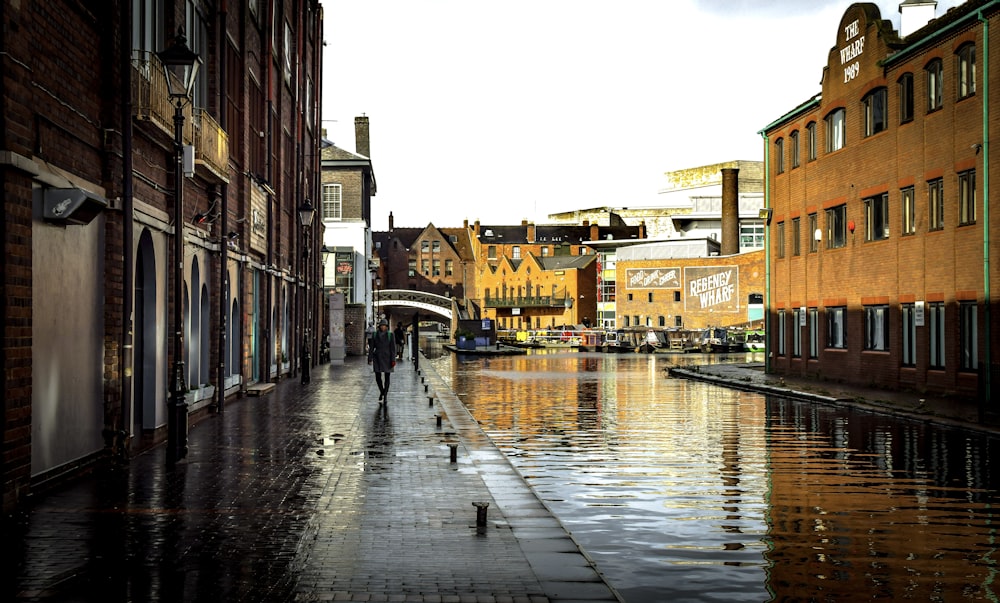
{"points": [[685, 491]]}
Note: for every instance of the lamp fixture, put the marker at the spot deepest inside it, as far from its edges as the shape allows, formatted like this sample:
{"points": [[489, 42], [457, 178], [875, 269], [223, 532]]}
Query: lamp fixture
{"points": [[765, 214], [180, 67]]}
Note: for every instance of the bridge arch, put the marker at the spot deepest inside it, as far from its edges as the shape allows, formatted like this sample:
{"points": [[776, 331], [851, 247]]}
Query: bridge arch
{"points": [[426, 302]]}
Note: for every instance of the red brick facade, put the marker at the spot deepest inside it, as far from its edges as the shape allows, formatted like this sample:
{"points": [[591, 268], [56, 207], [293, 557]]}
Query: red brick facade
{"points": [[891, 292], [88, 301]]}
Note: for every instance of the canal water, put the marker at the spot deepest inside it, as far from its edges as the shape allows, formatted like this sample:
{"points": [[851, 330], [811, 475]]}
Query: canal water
{"points": [[686, 491]]}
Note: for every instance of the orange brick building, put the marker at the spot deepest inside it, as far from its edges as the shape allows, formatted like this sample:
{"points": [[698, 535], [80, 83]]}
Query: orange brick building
{"points": [[878, 188]]}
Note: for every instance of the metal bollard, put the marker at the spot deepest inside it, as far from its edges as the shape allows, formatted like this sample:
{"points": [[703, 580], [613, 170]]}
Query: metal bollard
{"points": [[430, 400], [426, 387], [454, 452], [481, 508], [438, 420]]}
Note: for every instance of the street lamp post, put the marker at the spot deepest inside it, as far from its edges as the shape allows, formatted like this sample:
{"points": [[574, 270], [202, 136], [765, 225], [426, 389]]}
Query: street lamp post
{"points": [[306, 213], [180, 67]]}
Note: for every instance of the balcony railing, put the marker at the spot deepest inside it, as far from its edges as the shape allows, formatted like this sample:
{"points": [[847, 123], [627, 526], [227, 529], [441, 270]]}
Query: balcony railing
{"points": [[211, 147], [151, 103], [528, 301], [150, 98]]}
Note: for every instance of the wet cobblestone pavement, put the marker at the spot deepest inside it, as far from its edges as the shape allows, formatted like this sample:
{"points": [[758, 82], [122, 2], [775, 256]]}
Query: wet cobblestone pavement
{"points": [[311, 492]]}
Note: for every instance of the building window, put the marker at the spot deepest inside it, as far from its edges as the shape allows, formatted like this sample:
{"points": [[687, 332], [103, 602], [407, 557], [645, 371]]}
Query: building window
{"points": [[515, 252], [811, 141], [491, 252], [628, 296], [969, 332], [796, 237], [662, 321], [907, 209], [836, 327], [545, 251], [437, 267], [967, 197], [449, 267], [875, 105], [677, 296], [793, 142], [813, 333], [412, 269], [425, 246], [935, 335], [877, 217], [779, 240], [779, 155], [425, 267], [966, 70], [877, 328], [635, 320], [904, 85], [934, 73], [678, 321], [835, 131], [813, 241], [909, 343], [332, 202], [582, 251], [836, 227], [751, 235], [624, 320], [649, 297], [435, 245], [935, 204], [797, 320], [782, 325]]}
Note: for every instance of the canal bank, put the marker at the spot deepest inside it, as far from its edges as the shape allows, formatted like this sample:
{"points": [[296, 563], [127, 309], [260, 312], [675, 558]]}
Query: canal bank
{"points": [[312, 492], [951, 411]]}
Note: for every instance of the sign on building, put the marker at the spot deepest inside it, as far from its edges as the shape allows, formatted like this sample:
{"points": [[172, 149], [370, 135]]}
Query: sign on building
{"points": [[713, 288]]}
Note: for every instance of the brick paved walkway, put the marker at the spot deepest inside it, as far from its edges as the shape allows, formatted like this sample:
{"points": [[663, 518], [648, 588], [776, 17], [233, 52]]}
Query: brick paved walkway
{"points": [[309, 493]]}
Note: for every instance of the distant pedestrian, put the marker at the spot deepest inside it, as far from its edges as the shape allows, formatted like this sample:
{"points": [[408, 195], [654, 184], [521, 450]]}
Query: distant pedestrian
{"points": [[400, 334], [382, 357]]}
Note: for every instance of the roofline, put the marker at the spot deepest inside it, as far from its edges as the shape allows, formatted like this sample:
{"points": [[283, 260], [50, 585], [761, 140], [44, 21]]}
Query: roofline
{"points": [[810, 104], [915, 46]]}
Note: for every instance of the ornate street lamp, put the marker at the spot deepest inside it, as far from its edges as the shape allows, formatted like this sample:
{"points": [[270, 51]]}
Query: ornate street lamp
{"points": [[180, 67], [306, 213]]}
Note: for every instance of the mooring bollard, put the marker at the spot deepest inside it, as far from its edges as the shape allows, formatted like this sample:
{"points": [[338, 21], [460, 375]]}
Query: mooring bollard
{"points": [[438, 420], [430, 400], [426, 387], [481, 515], [454, 452]]}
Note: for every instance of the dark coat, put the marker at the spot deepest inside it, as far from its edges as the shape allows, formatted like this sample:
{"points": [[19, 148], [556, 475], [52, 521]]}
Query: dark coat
{"points": [[382, 351]]}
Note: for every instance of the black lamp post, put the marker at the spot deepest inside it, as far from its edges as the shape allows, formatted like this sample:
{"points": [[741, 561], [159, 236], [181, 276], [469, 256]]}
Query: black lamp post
{"points": [[180, 67], [306, 213]]}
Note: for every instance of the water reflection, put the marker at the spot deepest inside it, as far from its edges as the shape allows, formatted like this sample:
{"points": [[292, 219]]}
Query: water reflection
{"points": [[690, 492]]}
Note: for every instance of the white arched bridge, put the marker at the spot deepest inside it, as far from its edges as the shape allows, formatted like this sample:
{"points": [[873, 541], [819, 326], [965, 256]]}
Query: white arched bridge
{"points": [[429, 302]]}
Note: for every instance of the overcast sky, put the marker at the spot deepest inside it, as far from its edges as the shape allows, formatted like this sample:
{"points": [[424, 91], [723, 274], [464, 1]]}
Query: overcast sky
{"points": [[503, 111]]}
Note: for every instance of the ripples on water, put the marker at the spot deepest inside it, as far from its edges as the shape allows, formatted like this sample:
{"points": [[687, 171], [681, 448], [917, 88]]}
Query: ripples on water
{"points": [[684, 491]]}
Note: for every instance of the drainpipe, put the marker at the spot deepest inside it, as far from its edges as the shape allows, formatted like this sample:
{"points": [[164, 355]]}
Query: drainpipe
{"points": [[223, 226], [768, 346], [126, 358], [986, 398]]}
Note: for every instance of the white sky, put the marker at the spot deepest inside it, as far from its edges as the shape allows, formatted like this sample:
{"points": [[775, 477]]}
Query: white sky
{"points": [[503, 111]]}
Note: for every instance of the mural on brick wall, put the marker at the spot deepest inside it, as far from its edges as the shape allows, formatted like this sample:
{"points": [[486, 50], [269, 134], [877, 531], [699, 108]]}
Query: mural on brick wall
{"points": [[712, 287], [653, 278]]}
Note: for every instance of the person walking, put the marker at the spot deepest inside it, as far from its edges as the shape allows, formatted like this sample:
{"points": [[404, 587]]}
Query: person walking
{"points": [[382, 357], [400, 334]]}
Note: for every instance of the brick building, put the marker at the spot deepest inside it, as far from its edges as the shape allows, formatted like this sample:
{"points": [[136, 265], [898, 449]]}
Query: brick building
{"points": [[89, 172], [685, 283], [878, 187]]}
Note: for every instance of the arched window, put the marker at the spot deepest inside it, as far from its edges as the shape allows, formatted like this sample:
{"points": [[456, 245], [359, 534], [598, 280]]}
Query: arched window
{"points": [[904, 87], [966, 70], [875, 105], [934, 74], [793, 143], [779, 155]]}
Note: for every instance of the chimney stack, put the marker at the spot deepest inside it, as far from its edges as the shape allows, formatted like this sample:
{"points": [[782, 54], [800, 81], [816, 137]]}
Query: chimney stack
{"points": [[391, 220], [914, 14], [531, 232], [362, 144], [730, 244]]}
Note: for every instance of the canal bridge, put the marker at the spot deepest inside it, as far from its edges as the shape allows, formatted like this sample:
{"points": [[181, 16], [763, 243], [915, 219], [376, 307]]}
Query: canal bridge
{"points": [[425, 302]]}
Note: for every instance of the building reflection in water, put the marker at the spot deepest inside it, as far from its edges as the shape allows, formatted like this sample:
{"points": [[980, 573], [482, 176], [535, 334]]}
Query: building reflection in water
{"points": [[696, 492]]}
